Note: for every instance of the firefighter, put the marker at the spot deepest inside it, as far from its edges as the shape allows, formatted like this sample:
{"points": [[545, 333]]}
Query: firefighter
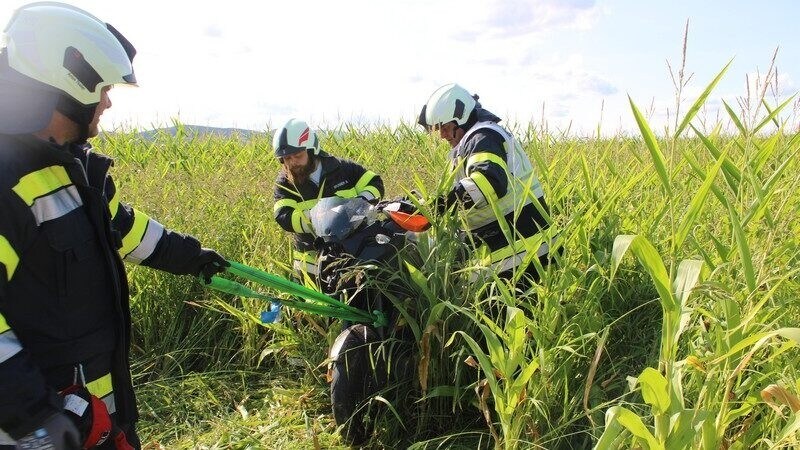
{"points": [[65, 325], [309, 174], [495, 187]]}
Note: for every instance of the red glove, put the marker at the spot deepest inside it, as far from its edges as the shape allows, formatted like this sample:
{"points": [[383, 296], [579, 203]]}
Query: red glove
{"points": [[89, 414]]}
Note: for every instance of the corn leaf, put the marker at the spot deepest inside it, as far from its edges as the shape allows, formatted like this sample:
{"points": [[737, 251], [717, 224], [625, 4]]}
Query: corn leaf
{"points": [[759, 207], [634, 424], [649, 258], [735, 118], [700, 101], [687, 277], [655, 390], [614, 434], [698, 203], [732, 174], [744, 249], [422, 283], [772, 114], [652, 146]]}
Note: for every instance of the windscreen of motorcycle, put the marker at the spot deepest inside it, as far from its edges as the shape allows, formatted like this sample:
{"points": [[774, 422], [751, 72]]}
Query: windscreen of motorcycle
{"points": [[336, 218]]}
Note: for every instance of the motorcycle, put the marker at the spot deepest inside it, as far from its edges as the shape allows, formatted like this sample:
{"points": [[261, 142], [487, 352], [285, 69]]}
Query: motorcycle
{"points": [[358, 245]]}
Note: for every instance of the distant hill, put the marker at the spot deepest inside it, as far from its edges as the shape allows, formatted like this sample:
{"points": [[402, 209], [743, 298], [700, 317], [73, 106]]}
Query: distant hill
{"points": [[193, 131]]}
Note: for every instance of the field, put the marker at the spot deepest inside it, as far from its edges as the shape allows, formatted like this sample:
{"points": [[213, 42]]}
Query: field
{"points": [[671, 321]]}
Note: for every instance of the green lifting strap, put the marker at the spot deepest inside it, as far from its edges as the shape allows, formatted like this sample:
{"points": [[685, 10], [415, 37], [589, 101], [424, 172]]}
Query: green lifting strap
{"points": [[318, 303]]}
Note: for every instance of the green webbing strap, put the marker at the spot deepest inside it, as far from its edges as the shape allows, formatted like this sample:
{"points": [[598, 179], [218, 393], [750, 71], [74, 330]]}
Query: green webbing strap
{"points": [[325, 305]]}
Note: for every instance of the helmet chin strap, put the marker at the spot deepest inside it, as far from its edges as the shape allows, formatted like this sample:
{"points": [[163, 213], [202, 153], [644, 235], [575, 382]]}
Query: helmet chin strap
{"points": [[81, 114]]}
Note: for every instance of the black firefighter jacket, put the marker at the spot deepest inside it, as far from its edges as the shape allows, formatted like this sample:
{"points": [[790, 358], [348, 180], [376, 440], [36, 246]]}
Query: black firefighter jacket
{"points": [[64, 302]]}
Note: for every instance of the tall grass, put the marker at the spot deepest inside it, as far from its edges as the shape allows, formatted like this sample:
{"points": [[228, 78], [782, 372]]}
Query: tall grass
{"points": [[691, 343]]}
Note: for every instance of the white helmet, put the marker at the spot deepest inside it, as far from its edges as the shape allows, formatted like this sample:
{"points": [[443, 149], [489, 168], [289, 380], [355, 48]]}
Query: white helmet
{"points": [[449, 103], [67, 48], [294, 137]]}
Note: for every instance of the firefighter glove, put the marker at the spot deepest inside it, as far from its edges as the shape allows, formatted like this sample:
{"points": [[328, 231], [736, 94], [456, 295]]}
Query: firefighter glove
{"points": [[207, 264], [89, 414]]}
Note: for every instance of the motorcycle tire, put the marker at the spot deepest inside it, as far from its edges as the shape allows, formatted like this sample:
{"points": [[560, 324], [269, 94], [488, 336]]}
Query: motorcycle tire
{"points": [[357, 373]]}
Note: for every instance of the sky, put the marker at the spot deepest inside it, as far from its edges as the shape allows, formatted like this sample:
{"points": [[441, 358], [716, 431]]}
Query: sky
{"points": [[566, 64]]}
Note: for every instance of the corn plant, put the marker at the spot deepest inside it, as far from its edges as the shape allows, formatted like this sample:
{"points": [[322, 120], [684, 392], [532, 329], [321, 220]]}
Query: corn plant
{"points": [[712, 417]]}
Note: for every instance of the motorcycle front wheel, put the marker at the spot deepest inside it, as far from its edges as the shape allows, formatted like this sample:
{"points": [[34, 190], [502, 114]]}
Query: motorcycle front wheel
{"points": [[358, 371]]}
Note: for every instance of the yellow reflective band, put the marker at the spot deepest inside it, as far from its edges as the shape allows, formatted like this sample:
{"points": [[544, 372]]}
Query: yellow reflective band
{"points": [[41, 182], [147, 245], [131, 240], [287, 202], [297, 221], [101, 386], [113, 204], [363, 182], [8, 257], [484, 185], [284, 202], [486, 156], [3, 325]]}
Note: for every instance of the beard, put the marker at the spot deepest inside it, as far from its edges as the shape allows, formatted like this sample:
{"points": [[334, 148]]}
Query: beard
{"points": [[299, 175]]}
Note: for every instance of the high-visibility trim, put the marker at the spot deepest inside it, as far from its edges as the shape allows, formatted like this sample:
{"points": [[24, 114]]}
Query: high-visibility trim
{"points": [[8, 258], [300, 223], [147, 246], [535, 187], [287, 202], [361, 185], [41, 182], [3, 324], [135, 235], [297, 221], [101, 386], [284, 202], [474, 191], [9, 344], [113, 204], [55, 205], [486, 156]]}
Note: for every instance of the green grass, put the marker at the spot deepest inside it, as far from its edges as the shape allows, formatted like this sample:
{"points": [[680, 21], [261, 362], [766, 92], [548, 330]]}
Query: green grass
{"points": [[602, 333]]}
